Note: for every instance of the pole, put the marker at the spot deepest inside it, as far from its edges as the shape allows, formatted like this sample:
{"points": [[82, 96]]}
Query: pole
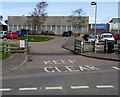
{"points": [[27, 41], [95, 18]]}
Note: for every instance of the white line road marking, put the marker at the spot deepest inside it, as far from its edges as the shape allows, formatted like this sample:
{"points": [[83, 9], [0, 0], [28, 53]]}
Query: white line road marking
{"points": [[116, 68], [27, 89], [6, 89], [79, 87], [47, 88], [104, 86]]}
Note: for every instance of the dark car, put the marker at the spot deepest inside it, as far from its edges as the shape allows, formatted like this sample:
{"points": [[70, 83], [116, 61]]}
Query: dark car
{"points": [[85, 37], [66, 34]]}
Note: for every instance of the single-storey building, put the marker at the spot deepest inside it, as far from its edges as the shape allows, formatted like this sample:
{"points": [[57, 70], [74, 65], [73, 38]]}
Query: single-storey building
{"points": [[57, 24]]}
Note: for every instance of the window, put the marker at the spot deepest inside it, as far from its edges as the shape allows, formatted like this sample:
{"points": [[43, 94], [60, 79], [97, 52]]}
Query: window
{"points": [[58, 28], [85, 29], [34, 27], [19, 27], [24, 26], [29, 27], [15, 27], [48, 28], [43, 27], [39, 28], [10, 27], [68, 28], [74, 28], [63, 27], [53, 27]]}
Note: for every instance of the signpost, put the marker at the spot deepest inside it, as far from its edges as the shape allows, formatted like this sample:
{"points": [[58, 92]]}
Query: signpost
{"points": [[22, 43]]}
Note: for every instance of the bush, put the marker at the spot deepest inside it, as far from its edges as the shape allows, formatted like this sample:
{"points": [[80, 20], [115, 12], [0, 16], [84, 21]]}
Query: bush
{"points": [[47, 33], [24, 30]]}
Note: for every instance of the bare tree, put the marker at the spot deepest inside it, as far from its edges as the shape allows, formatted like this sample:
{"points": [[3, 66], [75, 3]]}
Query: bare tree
{"points": [[77, 19], [38, 16]]}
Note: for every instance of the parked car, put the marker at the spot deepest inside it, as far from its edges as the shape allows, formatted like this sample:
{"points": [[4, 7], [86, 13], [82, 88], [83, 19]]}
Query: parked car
{"points": [[92, 38], [107, 36], [117, 36], [3, 34], [20, 33], [66, 34], [11, 35], [85, 37]]}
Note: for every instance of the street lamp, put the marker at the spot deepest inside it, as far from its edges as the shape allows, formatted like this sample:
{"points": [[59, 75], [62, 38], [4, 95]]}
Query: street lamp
{"points": [[95, 3]]}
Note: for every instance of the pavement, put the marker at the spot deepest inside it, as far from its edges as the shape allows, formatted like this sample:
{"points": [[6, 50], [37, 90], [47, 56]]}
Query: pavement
{"points": [[14, 62], [69, 45]]}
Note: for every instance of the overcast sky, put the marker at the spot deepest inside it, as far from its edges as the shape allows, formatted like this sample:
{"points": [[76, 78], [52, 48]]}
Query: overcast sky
{"points": [[105, 10]]}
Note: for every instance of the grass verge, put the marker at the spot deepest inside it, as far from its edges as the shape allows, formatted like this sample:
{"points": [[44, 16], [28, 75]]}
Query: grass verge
{"points": [[5, 55], [35, 38]]}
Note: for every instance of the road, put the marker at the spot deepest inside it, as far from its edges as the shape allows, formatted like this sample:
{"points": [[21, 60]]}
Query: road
{"points": [[57, 71]]}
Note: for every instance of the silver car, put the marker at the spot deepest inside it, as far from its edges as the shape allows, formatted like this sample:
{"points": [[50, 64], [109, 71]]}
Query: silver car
{"points": [[2, 34], [92, 38]]}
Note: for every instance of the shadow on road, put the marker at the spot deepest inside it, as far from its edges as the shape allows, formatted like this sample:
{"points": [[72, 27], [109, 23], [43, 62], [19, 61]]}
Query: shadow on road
{"points": [[53, 54]]}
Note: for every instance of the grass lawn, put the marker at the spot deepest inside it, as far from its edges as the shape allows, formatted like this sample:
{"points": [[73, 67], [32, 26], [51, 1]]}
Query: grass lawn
{"points": [[4, 56], [35, 38]]}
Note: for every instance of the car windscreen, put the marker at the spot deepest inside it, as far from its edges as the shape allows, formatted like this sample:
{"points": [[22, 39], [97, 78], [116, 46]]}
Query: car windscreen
{"points": [[92, 36], [8, 33], [14, 33], [107, 36]]}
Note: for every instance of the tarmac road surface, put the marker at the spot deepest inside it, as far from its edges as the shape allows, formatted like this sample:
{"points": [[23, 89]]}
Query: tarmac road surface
{"points": [[57, 71]]}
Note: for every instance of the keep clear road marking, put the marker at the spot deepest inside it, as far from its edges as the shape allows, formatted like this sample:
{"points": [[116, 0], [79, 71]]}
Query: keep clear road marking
{"points": [[104, 86], [116, 68], [79, 87], [6, 89], [27, 89], [48, 88]]}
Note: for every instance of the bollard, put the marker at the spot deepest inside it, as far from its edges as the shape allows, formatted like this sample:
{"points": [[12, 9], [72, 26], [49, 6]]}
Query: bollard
{"points": [[110, 47], [5, 48], [8, 48], [118, 47], [81, 47], [75, 45]]}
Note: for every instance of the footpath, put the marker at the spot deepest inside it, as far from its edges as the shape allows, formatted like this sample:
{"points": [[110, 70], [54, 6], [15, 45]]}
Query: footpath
{"points": [[69, 45], [14, 62]]}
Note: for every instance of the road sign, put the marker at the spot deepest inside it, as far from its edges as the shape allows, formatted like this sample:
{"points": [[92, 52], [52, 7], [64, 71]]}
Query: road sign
{"points": [[22, 43], [99, 26]]}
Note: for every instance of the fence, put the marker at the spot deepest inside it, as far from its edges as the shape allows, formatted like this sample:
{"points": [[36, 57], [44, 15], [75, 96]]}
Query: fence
{"points": [[10, 48], [100, 47]]}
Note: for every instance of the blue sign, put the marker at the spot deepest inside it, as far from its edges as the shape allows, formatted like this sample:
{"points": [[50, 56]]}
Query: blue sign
{"points": [[99, 26]]}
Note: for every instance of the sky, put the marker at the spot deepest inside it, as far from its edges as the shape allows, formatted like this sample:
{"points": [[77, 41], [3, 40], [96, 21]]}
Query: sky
{"points": [[105, 10]]}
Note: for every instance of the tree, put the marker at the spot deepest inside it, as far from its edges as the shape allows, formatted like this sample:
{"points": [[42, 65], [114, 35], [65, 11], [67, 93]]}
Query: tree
{"points": [[77, 19], [38, 16]]}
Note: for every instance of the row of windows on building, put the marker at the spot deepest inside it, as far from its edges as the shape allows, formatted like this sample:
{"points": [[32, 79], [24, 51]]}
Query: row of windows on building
{"points": [[47, 28]]}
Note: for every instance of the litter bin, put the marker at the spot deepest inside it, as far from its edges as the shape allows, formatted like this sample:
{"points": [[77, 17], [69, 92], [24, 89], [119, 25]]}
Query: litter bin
{"points": [[110, 47]]}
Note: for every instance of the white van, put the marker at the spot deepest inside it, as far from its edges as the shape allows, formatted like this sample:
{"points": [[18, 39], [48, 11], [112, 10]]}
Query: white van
{"points": [[107, 36]]}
